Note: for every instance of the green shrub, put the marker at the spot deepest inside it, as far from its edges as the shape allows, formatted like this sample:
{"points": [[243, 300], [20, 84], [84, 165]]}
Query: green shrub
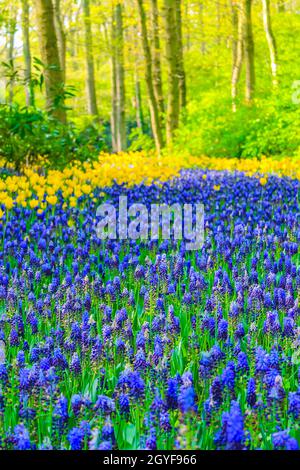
{"points": [[269, 127], [28, 135]]}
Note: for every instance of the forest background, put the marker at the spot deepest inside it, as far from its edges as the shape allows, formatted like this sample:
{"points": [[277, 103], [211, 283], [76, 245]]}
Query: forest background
{"points": [[216, 78]]}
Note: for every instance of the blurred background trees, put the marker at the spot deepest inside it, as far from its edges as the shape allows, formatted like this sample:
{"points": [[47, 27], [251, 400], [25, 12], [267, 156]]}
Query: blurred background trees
{"points": [[211, 77]]}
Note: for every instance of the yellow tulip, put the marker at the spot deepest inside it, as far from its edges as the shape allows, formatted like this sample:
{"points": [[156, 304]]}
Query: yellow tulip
{"points": [[8, 202], [263, 181], [73, 201], [33, 203], [52, 200], [86, 189]]}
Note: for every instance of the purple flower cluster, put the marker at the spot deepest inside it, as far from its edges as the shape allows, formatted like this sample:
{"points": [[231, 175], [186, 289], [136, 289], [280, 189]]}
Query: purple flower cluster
{"points": [[143, 344]]}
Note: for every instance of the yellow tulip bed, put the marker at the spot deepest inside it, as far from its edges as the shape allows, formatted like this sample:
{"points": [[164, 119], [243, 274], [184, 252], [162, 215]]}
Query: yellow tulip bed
{"points": [[34, 190]]}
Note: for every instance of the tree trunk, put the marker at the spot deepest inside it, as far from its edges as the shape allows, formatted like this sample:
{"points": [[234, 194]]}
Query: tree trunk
{"points": [[201, 14], [271, 40], [29, 91], [138, 101], [10, 57], [50, 57], [89, 56], [249, 50], [113, 119], [237, 50], [156, 66], [154, 109], [61, 37], [235, 30], [172, 68], [180, 60], [118, 105]]}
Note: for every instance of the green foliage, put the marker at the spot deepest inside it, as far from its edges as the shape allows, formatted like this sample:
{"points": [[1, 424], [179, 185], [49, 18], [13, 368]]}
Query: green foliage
{"points": [[139, 140], [274, 132], [29, 136], [269, 127]]}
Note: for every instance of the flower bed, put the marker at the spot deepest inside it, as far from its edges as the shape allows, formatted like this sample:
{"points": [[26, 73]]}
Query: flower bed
{"points": [[134, 345]]}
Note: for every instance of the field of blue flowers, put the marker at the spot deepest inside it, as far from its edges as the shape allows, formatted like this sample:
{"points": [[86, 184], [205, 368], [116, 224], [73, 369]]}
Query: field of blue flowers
{"points": [[143, 345]]}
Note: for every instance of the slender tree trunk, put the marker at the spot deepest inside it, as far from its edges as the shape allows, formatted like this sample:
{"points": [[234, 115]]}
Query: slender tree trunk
{"points": [[172, 68], [235, 30], [10, 57], [249, 50], [90, 69], [180, 59], [73, 18], [29, 91], [156, 66], [201, 15], [271, 40], [120, 79], [50, 57], [61, 36], [113, 119], [113, 96], [118, 111], [187, 26], [154, 109], [237, 51], [138, 104]]}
